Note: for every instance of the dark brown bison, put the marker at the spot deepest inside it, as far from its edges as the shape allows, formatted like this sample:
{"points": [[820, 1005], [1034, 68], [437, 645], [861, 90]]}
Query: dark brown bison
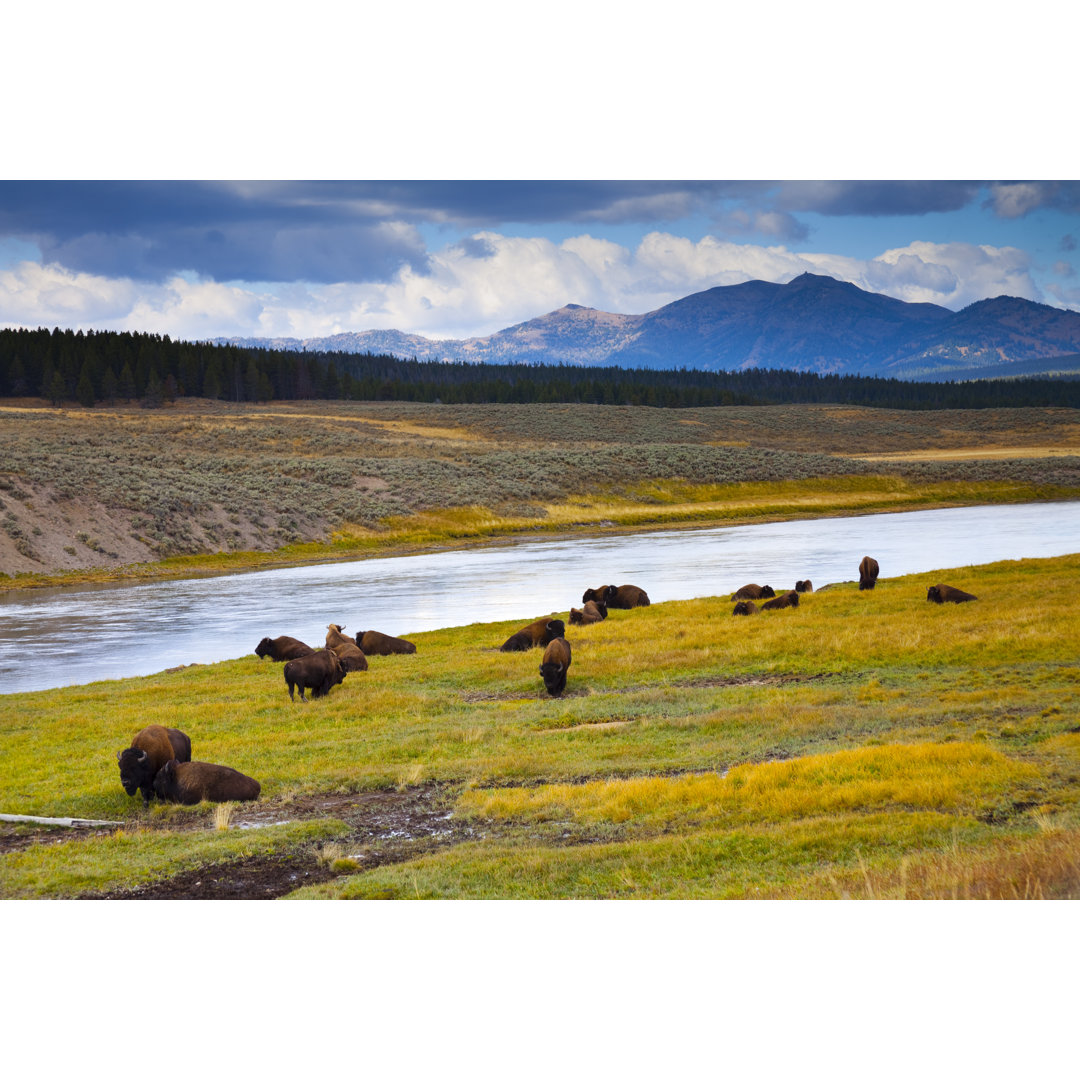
{"points": [[753, 592], [375, 644], [868, 572], [946, 594], [592, 612], [345, 649], [617, 596], [190, 782], [282, 648], [786, 599], [318, 673], [536, 633], [554, 666], [804, 586], [148, 752], [745, 607]]}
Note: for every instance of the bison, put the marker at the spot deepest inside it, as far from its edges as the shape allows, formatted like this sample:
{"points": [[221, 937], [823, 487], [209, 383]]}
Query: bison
{"points": [[804, 586], [617, 596], [868, 572], [541, 632], [318, 673], [375, 644], [593, 611], [345, 649], [190, 782], [787, 599], [148, 752], [745, 607], [282, 648], [753, 592], [554, 666], [941, 594]]}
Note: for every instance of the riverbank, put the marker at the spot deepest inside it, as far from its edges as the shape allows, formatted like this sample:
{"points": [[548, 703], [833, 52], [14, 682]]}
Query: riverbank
{"points": [[206, 487], [862, 744]]}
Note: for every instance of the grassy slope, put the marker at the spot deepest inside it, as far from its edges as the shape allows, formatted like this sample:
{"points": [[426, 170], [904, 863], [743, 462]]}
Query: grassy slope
{"points": [[936, 753]]}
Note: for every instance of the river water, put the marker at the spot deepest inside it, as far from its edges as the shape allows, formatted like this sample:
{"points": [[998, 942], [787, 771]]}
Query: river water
{"points": [[61, 637]]}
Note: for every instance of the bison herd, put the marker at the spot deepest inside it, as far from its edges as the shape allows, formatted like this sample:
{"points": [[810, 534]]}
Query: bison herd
{"points": [[158, 762]]}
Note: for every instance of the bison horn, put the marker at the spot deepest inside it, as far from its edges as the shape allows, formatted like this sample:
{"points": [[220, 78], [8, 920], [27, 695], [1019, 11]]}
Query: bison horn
{"points": [[142, 756]]}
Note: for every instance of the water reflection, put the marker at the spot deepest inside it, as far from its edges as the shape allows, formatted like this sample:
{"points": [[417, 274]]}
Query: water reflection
{"points": [[77, 635]]}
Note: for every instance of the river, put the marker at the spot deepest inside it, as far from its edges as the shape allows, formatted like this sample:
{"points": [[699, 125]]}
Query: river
{"points": [[61, 637]]}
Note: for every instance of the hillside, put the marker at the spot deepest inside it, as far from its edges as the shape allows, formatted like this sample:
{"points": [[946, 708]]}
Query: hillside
{"points": [[812, 323]]}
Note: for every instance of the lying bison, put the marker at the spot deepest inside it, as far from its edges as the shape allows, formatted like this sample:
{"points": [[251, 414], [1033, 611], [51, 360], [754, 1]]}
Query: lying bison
{"points": [[192, 781], [149, 751], [593, 611], [282, 648], [946, 594], [804, 586], [318, 673], [745, 607], [868, 572], [753, 592], [375, 644], [554, 666], [536, 633], [787, 599], [345, 649], [617, 596]]}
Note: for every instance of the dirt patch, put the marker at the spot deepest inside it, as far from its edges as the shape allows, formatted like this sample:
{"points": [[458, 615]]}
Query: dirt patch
{"points": [[608, 725], [386, 826]]}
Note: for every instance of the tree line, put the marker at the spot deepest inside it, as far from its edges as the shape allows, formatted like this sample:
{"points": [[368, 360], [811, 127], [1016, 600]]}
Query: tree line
{"points": [[65, 366]]}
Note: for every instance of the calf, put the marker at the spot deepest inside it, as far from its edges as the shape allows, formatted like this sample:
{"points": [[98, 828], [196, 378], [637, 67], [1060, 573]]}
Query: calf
{"points": [[318, 673], [787, 599], [192, 781], [753, 592], [554, 666], [148, 752], [536, 633], [345, 649], [282, 648], [375, 644], [745, 607], [941, 594], [592, 612]]}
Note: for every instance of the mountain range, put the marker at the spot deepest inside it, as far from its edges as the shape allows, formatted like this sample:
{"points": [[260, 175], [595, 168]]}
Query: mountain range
{"points": [[811, 323]]}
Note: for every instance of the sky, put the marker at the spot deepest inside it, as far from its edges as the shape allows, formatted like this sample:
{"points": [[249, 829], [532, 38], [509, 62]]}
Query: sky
{"points": [[200, 259]]}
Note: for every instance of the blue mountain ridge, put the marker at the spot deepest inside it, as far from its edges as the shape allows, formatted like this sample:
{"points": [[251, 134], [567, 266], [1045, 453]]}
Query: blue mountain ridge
{"points": [[811, 323]]}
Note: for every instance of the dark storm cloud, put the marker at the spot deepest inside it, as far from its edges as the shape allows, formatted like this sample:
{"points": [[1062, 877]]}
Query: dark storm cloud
{"points": [[877, 198]]}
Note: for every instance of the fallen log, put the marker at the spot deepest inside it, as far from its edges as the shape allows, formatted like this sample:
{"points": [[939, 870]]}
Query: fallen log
{"points": [[66, 822]]}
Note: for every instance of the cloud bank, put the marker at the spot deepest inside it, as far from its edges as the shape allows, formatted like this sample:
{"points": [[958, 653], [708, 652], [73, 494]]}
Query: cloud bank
{"points": [[489, 281]]}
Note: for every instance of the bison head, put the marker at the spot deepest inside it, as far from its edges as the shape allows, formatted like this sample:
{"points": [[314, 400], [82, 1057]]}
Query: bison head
{"points": [[767, 592], [556, 628], [263, 647], [134, 769], [165, 781], [934, 594]]}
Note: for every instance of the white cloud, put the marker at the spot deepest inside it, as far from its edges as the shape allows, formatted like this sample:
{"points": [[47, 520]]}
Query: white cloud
{"points": [[493, 281]]}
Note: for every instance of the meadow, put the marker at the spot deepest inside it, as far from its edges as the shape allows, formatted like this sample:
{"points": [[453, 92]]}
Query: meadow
{"points": [[865, 744]]}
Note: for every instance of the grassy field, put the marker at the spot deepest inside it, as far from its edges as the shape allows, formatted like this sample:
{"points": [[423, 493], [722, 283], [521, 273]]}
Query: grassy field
{"points": [[865, 744], [203, 487]]}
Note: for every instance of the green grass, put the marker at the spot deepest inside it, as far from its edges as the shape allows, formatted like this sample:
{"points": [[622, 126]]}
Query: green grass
{"points": [[816, 751]]}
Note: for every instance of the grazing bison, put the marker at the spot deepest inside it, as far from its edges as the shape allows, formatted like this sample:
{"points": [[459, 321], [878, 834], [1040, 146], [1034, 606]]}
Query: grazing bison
{"points": [[148, 752], [942, 594], [282, 648], [317, 673], [345, 649], [592, 612], [868, 572], [190, 782], [375, 644], [804, 586], [787, 599], [536, 633], [554, 666], [745, 607], [753, 592], [617, 596]]}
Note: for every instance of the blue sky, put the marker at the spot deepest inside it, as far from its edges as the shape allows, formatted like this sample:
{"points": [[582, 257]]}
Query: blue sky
{"points": [[199, 259]]}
